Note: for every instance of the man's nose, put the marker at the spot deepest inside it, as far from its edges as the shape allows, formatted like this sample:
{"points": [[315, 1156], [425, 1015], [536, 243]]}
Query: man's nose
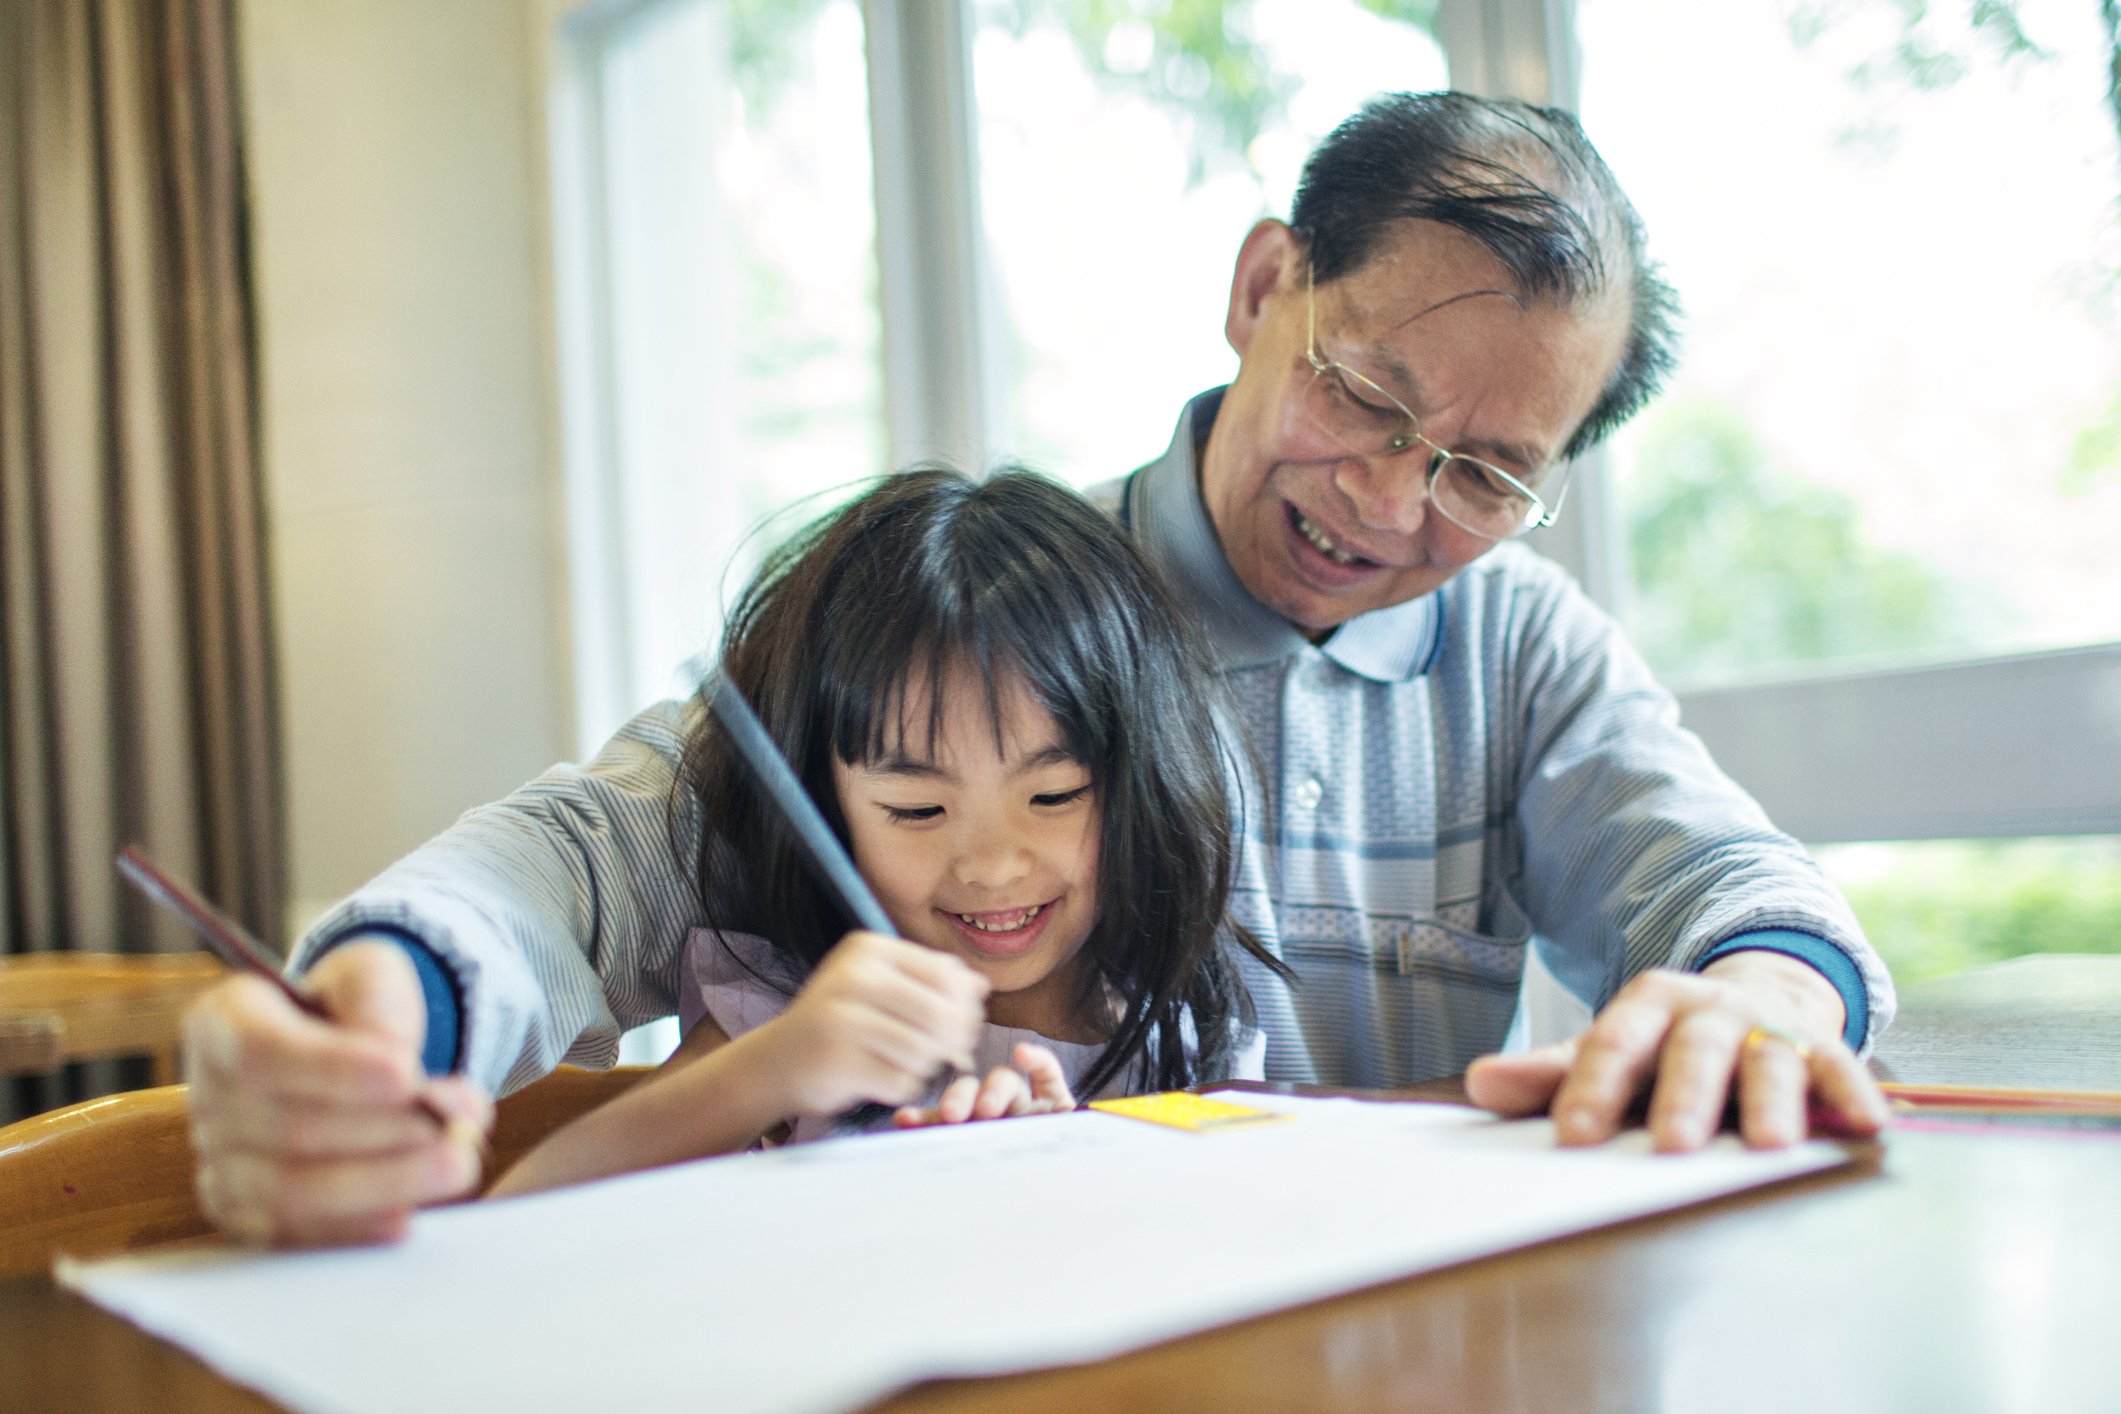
{"points": [[1388, 493]]}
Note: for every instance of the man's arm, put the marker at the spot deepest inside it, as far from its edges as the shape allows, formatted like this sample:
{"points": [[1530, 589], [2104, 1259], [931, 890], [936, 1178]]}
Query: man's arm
{"points": [[1718, 954], [533, 930], [557, 913]]}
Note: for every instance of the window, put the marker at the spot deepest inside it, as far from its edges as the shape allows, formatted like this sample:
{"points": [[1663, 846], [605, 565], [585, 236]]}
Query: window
{"points": [[1871, 525], [1897, 431], [718, 291], [719, 288], [1124, 151], [1868, 534]]}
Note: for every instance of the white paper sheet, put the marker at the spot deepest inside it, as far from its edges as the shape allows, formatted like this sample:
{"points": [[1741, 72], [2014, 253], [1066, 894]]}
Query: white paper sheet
{"points": [[822, 1277]]}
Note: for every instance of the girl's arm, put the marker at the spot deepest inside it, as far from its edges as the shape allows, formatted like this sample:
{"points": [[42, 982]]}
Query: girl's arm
{"points": [[875, 1020]]}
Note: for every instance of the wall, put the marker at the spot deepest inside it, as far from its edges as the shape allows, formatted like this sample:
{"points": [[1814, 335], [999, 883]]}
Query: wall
{"points": [[396, 152]]}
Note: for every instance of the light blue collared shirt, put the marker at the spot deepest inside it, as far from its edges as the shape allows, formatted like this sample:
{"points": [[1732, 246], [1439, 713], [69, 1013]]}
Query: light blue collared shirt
{"points": [[1447, 782]]}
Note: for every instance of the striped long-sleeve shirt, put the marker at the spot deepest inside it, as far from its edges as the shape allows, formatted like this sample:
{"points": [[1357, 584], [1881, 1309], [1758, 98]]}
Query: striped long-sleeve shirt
{"points": [[1442, 787]]}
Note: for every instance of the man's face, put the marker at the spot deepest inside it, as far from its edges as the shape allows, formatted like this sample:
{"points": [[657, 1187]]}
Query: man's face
{"points": [[1320, 535]]}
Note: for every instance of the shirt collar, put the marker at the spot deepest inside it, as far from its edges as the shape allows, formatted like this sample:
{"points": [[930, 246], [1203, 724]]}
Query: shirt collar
{"points": [[1163, 507]]}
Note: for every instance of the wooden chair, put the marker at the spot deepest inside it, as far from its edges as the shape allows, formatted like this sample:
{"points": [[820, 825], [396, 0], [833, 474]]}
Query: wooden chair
{"points": [[73, 1006], [115, 1174]]}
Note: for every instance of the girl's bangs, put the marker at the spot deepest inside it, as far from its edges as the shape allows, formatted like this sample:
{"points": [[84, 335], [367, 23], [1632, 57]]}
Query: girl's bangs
{"points": [[978, 597]]}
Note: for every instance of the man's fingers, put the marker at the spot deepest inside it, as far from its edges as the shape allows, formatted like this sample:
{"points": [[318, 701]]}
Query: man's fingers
{"points": [[309, 1131], [459, 1101], [372, 987], [320, 1131], [265, 1198], [1850, 1100], [1694, 1079], [1613, 1059], [1774, 1079], [245, 1032], [1519, 1085]]}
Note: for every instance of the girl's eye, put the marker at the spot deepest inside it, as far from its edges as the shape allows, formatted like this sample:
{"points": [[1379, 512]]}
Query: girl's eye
{"points": [[909, 814], [1063, 797]]}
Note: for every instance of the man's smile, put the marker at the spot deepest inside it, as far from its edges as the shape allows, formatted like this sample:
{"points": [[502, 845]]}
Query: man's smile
{"points": [[1322, 542], [1329, 561]]}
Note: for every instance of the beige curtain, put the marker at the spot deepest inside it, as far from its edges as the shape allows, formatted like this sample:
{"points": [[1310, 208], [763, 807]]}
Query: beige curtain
{"points": [[136, 699]]}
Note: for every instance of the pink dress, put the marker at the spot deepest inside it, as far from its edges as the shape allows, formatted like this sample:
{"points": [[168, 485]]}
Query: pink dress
{"points": [[740, 981]]}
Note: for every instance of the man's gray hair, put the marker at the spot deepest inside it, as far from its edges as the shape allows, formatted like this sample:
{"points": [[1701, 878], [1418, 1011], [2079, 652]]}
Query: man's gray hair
{"points": [[1523, 181]]}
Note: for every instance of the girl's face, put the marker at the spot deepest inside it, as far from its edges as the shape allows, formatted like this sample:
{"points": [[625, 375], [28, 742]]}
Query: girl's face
{"points": [[989, 854]]}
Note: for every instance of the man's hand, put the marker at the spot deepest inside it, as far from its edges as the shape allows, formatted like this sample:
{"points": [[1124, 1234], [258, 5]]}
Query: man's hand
{"points": [[1037, 1086], [876, 1019], [1685, 1038], [308, 1132]]}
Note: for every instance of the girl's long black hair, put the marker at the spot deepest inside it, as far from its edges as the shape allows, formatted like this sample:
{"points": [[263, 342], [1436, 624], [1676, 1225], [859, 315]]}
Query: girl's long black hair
{"points": [[1013, 576]]}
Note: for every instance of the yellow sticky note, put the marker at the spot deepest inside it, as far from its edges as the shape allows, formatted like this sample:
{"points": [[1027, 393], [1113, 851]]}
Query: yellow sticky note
{"points": [[1182, 1109]]}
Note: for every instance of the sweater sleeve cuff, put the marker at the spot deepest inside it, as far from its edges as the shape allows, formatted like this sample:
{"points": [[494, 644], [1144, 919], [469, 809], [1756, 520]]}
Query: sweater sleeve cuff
{"points": [[1822, 957], [439, 1052]]}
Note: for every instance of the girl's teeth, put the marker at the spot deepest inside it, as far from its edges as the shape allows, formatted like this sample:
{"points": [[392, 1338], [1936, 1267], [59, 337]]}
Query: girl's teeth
{"points": [[1324, 546], [1006, 925]]}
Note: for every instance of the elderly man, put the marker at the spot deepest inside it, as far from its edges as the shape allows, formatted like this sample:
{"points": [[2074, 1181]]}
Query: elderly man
{"points": [[1462, 762]]}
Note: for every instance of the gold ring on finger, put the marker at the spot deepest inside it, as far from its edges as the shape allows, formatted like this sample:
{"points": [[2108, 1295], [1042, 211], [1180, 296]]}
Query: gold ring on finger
{"points": [[1765, 1032]]}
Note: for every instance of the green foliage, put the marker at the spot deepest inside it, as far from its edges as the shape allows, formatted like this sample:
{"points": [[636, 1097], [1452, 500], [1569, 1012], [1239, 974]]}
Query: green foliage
{"points": [[1942, 906], [1196, 57], [1938, 44], [1922, 56], [2096, 455], [1741, 564], [763, 35]]}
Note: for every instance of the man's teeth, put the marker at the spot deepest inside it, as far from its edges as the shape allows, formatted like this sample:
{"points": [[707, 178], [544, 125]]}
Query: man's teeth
{"points": [[1324, 546], [1008, 923]]}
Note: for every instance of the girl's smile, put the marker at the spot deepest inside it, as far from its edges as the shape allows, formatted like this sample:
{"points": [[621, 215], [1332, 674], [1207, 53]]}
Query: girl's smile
{"points": [[984, 844], [1004, 932]]}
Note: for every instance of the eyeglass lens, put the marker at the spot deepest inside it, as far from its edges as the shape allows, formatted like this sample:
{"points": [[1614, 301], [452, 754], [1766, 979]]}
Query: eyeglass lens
{"points": [[1461, 488]]}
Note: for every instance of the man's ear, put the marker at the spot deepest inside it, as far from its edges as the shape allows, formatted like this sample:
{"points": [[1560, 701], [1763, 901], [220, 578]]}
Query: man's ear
{"points": [[1270, 255]]}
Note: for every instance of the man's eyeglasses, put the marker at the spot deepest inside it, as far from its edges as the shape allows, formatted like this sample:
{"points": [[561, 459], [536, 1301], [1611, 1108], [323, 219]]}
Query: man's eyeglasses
{"points": [[1362, 417]]}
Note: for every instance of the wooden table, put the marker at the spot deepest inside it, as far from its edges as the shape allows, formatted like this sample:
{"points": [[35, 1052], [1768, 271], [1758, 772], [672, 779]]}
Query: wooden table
{"points": [[1943, 1272]]}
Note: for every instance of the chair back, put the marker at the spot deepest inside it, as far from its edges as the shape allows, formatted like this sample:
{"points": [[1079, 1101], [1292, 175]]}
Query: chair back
{"points": [[73, 1006], [103, 1176], [115, 1174]]}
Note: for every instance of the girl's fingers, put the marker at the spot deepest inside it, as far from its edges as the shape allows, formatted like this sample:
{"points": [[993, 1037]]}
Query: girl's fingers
{"points": [[959, 1101], [1049, 1083], [946, 974], [879, 973], [1003, 1092]]}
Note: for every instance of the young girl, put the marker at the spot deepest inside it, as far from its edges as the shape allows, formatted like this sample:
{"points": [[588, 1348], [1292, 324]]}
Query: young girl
{"points": [[989, 696]]}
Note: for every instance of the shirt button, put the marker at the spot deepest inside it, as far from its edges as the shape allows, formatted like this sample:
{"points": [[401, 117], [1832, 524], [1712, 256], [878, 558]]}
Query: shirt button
{"points": [[1309, 794]]}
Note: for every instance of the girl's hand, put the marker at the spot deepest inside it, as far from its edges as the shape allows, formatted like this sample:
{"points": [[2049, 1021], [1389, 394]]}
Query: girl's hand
{"points": [[1036, 1087], [877, 1018]]}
